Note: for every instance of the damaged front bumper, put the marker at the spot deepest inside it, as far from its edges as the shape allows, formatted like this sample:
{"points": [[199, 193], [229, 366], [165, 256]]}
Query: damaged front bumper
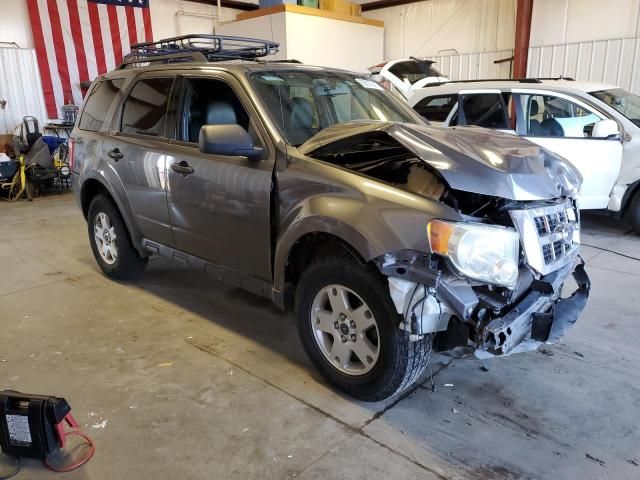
{"points": [[432, 302], [541, 317]]}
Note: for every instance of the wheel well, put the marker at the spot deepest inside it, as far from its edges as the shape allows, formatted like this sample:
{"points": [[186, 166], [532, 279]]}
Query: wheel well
{"points": [[90, 189], [305, 250], [631, 192]]}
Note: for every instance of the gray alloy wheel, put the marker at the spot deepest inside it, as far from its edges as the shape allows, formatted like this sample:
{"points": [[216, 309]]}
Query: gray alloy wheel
{"points": [[345, 330], [105, 237]]}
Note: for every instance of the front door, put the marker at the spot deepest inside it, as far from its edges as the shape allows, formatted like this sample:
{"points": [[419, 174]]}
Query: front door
{"points": [[219, 205], [564, 126], [136, 151]]}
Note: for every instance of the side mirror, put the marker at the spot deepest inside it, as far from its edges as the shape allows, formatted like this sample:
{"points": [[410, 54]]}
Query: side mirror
{"points": [[231, 140], [605, 129]]}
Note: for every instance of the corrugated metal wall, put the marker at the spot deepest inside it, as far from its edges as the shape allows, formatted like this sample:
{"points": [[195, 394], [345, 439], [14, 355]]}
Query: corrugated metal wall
{"points": [[473, 66], [20, 86], [614, 61]]}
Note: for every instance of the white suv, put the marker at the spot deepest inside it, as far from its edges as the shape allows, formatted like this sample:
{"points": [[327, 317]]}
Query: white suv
{"points": [[407, 75], [594, 126]]}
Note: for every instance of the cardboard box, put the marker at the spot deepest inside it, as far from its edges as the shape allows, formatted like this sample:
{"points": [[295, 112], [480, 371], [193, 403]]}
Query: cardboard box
{"points": [[337, 6]]}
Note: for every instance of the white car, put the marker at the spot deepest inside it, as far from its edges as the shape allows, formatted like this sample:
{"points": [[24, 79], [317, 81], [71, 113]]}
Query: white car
{"points": [[407, 75], [594, 126]]}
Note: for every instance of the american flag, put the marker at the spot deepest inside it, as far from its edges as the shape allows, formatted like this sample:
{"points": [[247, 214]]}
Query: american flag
{"points": [[77, 40]]}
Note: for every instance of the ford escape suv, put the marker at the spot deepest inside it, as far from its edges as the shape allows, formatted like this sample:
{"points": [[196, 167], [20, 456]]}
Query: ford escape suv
{"points": [[316, 188]]}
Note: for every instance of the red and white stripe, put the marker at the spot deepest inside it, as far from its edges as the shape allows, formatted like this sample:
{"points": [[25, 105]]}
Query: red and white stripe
{"points": [[77, 40]]}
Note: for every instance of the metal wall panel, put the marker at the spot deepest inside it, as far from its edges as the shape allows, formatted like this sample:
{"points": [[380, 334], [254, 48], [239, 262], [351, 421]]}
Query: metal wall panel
{"points": [[614, 61], [20, 86], [473, 66]]}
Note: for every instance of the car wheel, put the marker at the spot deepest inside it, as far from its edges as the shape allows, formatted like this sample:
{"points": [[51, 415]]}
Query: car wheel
{"points": [[349, 327], [110, 241], [634, 212]]}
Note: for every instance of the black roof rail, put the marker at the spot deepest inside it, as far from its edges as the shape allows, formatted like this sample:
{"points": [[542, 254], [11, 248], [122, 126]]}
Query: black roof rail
{"points": [[198, 48], [519, 80]]}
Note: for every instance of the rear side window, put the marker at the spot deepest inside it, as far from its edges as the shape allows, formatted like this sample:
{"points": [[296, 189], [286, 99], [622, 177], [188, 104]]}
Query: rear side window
{"points": [[484, 110], [145, 109], [436, 109], [98, 103]]}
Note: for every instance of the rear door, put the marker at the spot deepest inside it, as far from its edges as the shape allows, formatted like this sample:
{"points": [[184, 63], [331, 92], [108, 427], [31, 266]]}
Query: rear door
{"points": [[221, 210], [136, 151], [563, 125]]}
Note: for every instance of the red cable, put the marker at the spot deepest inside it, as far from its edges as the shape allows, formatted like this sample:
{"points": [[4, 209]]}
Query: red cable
{"points": [[78, 464]]}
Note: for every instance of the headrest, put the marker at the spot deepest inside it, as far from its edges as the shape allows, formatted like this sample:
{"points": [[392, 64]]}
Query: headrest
{"points": [[534, 108], [301, 113], [221, 113]]}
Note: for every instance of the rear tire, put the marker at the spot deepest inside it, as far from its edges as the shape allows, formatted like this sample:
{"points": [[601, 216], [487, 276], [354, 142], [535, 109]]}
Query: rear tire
{"points": [[393, 364], [110, 241], [634, 212]]}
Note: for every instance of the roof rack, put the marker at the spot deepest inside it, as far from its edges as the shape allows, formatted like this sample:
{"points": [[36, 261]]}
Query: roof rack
{"points": [[519, 80], [198, 48]]}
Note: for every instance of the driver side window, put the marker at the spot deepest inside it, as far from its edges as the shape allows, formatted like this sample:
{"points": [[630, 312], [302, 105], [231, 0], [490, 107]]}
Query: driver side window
{"points": [[550, 116], [207, 101]]}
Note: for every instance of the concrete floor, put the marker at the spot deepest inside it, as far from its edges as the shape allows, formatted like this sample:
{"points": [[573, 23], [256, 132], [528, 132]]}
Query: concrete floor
{"points": [[179, 378]]}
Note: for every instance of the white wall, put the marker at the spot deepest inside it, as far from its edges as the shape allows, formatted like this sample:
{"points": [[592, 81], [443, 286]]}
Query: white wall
{"points": [[14, 26], [166, 22], [569, 21], [315, 40], [271, 27], [587, 40], [430, 27], [334, 43]]}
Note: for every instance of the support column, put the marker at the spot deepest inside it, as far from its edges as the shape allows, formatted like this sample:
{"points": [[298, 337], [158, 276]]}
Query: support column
{"points": [[523, 33]]}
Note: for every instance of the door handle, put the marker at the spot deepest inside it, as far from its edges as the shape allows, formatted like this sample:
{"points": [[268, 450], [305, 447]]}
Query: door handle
{"points": [[182, 168], [115, 154]]}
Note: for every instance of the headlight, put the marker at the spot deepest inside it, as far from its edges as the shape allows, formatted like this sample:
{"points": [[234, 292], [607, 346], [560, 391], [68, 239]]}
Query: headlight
{"points": [[481, 252]]}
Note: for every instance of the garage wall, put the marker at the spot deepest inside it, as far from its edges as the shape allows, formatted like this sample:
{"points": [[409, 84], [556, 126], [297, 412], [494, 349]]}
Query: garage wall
{"points": [[19, 79], [177, 17], [587, 40], [435, 27]]}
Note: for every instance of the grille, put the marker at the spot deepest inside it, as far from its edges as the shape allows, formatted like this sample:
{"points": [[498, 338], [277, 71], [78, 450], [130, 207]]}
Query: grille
{"points": [[550, 235]]}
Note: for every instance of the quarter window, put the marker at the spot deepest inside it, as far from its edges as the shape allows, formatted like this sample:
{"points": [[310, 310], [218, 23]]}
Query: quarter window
{"points": [[436, 109], [98, 103], [145, 110]]}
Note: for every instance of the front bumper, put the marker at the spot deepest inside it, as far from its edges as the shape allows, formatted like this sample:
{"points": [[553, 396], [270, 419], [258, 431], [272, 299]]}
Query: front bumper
{"points": [[542, 317]]}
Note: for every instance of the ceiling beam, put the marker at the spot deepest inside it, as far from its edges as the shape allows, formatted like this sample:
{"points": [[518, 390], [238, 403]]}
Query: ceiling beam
{"points": [[378, 4], [230, 4]]}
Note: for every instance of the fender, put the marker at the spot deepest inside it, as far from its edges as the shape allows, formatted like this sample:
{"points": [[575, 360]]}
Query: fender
{"points": [[118, 194], [370, 225]]}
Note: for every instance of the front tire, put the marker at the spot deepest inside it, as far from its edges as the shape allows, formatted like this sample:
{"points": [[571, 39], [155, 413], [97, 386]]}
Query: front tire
{"points": [[110, 241], [634, 212], [349, 327]]}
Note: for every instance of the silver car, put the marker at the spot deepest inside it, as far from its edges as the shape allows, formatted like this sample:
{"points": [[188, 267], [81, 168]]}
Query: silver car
{"points": [[316, 188]]}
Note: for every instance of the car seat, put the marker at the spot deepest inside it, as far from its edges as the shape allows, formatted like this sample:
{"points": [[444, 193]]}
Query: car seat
{"points": [[552, 128], [300, 126], [535, 127]]}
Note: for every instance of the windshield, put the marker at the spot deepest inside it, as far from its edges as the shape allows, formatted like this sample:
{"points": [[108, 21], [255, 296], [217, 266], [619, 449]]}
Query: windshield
{"points": [[624, 102], [314, 100], [413, 70]]}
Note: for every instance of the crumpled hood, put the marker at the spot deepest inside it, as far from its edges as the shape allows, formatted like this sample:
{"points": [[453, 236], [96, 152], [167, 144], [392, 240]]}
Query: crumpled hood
{"points": [[472, 159]]}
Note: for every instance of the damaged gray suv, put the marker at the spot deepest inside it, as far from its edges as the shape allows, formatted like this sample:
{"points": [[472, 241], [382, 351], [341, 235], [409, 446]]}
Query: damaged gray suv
{"points": [[318, 189]]}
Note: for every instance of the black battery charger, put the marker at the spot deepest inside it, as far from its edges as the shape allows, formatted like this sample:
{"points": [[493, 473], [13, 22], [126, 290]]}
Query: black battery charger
{"points": [[29, 424]]}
